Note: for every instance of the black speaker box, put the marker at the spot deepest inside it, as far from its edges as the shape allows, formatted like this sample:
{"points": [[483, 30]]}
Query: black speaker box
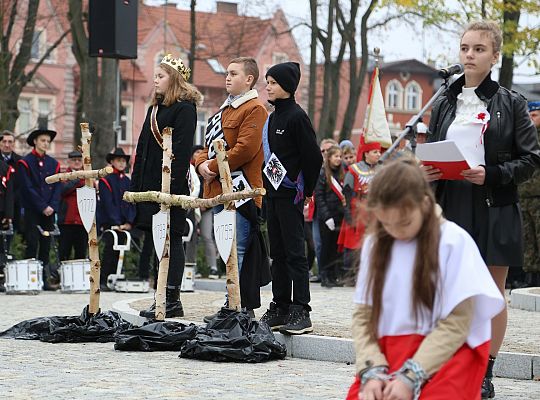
{"points": [[113, 28]]}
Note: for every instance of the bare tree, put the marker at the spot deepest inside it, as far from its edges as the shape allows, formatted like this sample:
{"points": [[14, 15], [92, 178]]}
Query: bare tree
{"points": [[193, 38], [14, 75], [313, 4], [97, 88]]}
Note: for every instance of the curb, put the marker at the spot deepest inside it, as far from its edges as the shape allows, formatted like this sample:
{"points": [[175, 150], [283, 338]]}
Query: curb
{"points": [[525, 299], [333, 349]]}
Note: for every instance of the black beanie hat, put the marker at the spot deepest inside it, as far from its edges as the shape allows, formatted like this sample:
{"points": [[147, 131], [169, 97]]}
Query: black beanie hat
{"points": [[287, 75]]}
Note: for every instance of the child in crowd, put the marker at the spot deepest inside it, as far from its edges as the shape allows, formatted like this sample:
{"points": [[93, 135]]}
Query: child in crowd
{"points": [[422, 321], [114, 213], [330, 203], [349, 156], [292, 164], [355, 187]]}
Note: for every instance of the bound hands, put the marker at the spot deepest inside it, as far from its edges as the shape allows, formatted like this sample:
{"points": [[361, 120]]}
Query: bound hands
{"points": [[205, 171], [375, 389]]}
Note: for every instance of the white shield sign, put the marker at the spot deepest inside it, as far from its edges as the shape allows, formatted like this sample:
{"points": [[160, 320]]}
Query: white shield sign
{"points": [[159, 231], [86, 202], [240, 183], [224, 231]]}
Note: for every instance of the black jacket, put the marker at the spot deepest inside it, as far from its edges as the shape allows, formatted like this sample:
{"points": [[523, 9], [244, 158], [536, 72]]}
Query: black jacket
{"points": [[328, 203], [292, 138], [182, 117], [511, 145], [7, 182]]}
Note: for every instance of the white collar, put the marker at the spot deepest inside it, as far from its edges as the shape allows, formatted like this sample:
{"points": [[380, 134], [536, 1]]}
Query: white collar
{"points": [[249, 95]]}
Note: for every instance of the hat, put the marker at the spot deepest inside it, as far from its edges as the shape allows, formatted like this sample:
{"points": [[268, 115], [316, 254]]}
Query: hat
{"points": [[287, 75], [534, 105], [39, 132], [345, 143], [118, 152], [365, 147], [74, 154]]}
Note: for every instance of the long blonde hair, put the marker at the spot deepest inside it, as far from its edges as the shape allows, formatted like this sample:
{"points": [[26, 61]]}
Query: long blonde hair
{"points": [[177, 90]]}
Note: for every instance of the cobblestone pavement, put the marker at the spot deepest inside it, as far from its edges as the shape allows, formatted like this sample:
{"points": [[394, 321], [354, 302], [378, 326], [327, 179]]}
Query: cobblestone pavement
{"points": [[332, 310], [35, 370]]}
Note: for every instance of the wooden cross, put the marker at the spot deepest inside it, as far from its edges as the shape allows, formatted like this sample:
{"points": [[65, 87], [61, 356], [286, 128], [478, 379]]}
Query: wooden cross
{"points": [[166, 200], [89, 175]]}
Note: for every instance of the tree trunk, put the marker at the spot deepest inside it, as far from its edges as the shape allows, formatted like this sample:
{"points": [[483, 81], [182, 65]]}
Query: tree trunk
{"points": [[312, 91], [193, 39], [97, 87], [511, 15], [326, 42]]}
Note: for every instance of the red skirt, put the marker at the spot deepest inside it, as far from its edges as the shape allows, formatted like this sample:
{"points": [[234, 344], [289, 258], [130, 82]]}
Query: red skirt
{"points": [[350, 237], [460, 378]]}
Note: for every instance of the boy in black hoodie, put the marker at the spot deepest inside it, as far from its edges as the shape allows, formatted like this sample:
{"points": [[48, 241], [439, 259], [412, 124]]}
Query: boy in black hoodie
{"points": [[292, 164]]}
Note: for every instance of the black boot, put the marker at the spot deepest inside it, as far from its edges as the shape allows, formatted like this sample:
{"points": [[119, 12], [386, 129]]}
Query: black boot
{"points": [[488, 391], [173, 306], [51, 278]]}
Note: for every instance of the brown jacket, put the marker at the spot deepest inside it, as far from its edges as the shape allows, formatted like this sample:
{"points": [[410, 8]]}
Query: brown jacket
{"points": [[242, 124]]}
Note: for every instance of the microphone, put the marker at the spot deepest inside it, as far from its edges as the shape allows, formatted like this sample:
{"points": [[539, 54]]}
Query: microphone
{"points": [[451, 70]]}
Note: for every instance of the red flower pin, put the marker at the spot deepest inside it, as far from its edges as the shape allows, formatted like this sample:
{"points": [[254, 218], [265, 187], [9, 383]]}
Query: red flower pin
{"points": [[481, 116]]}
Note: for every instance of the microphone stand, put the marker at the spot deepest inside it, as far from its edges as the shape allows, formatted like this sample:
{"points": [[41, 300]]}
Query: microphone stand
{"points": [[410, 127]]}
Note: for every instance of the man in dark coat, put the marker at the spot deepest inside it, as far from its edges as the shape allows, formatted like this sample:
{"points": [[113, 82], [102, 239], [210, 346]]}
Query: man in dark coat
{"points": [[40, 200], [7, 144], [73, 235], [113, 211]]}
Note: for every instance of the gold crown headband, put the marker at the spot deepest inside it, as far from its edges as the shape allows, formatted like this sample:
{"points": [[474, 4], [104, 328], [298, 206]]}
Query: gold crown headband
{"points": [[177, 65]]}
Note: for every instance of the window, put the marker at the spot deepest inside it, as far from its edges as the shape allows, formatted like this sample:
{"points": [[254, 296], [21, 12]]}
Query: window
{"points": [[413, 94], [201, 127], [25, 115], [126, 111], [216, 66], [39, 45], [394, 92], [278, 58]]}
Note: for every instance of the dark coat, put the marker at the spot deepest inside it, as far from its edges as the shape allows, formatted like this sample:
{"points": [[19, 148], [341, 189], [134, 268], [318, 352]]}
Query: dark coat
{"points": [[6, 191], [328, 203], [511, 145], [182, 117], [112, 210], [35, 193], [12, 162]]}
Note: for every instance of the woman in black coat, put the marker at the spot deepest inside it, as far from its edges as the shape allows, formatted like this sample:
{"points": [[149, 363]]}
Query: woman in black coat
{"points": [[174, 105], [493, 123]]}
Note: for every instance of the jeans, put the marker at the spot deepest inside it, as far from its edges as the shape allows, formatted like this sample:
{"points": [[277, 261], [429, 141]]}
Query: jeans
{"points": [[207, 235], [243, 228]]}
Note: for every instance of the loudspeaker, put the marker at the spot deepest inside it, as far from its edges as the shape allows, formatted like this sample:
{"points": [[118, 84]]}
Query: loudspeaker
{"points": [[113, 28]]}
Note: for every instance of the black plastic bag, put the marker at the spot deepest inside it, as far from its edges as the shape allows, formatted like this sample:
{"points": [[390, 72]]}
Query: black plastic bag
{"points": [[100, 327], [154, 336], [234, 336]]}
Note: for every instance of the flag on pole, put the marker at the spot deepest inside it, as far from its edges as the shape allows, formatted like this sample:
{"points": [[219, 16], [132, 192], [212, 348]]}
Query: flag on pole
{"points": [[376, 127]]}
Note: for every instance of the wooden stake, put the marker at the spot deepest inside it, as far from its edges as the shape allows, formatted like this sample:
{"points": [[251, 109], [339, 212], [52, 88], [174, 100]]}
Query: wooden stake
{"points": [[93, 249], [187, 202], [164, 262], [233, 281], [74, 175]]}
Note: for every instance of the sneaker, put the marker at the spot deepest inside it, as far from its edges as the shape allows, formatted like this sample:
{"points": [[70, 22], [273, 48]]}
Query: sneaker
{"points": [[298, 322], [274, 317], [315, 279], [214, 273], [488, 391]]}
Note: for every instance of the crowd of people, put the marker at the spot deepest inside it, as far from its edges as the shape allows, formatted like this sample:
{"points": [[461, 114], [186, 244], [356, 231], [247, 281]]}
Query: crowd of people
{"points": [[414, 245]]}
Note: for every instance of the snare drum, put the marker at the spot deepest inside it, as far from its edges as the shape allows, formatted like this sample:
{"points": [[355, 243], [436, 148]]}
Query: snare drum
{"points": [[24, 276], [75, 276]]}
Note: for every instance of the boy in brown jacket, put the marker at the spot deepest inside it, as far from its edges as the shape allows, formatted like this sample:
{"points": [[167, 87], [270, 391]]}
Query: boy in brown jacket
{"points": [[239, 123]]}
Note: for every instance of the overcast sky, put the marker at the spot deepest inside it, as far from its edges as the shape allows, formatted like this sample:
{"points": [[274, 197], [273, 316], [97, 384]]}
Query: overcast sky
{"points": [[398, 41]]}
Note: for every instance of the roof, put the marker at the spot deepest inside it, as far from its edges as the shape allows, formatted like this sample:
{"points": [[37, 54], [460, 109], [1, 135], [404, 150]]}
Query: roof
{"points": [[411, 66], [217, 37]]}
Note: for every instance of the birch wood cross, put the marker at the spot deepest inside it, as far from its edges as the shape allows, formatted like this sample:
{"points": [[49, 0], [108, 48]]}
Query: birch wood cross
{"points": [[166, 200], [89, 175]]}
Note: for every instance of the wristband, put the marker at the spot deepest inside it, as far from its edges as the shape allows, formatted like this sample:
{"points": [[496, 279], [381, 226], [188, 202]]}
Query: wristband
{"points": [[379, 373]]}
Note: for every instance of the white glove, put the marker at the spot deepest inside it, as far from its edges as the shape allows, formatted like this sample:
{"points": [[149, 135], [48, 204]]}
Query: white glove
{"points": [[330, 224]]}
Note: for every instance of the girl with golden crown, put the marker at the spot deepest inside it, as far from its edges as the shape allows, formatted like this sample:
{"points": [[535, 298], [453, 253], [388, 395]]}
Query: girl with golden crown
{"points": [[174, 104]]}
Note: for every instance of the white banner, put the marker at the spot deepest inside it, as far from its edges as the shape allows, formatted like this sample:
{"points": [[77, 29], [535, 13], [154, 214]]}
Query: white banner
{"points": [[86, 203], [159, 231], [224, 231]]}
